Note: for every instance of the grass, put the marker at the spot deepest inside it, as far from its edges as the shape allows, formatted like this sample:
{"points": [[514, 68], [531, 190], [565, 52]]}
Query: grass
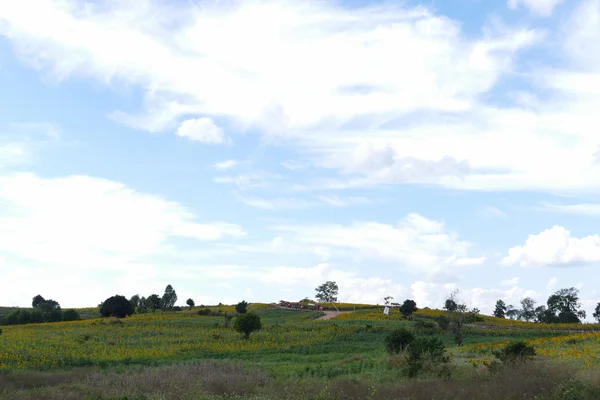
{"points": [[182, 355]]}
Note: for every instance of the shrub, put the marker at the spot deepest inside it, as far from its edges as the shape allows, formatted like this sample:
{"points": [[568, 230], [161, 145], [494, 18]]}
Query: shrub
{"points": [[398, 340], [71, 315], [205, 311], [425, 354], [515, 351], [443, 322], [116, 306], [575, 390], [247, 323], [176, 308], [240, 307], [425, 326]]}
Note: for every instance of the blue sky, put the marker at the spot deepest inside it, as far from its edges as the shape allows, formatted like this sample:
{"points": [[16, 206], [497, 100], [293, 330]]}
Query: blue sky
{"points": [[252, 150]]}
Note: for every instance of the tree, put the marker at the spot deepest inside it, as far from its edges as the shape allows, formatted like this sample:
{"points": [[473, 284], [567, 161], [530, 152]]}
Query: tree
{"points": [[169, 298], [527, 309], [500, 310], [565, 305], [71, 315], [247, 323], [596, 313], [450, 305], [153, 302], [37, 300], [512, 312], [398, 340], [408, 307], [387, 300], [458, 314], [116, 306], [327, 293], [190, 303], [240, 307], [142, 305], [135, 301]]}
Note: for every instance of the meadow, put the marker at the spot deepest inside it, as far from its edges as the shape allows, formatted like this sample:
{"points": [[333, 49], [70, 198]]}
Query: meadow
{"points": [[173, 355]]}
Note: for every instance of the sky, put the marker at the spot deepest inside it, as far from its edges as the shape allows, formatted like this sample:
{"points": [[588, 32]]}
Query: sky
{"points": [[255, 149]]}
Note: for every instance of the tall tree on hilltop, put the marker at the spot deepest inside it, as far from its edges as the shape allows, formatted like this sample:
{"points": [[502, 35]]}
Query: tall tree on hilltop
{"points": [[327, 293], [500, 310], [169, 298]]}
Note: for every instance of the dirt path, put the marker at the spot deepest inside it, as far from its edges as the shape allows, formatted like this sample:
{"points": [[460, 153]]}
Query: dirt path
{"points": [[331, 314]]}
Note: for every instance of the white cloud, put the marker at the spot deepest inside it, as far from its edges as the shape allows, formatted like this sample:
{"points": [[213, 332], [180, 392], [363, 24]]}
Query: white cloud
{"points": [[490, 211], [201, 130], [227, 164], [81, 221], [555, 247], [540, 7], [416, 241], [551, 285], [510, 282], [590, 209]]}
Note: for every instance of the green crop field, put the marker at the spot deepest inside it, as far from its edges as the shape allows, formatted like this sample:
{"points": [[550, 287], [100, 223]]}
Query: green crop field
{"points": [[181, 355]]}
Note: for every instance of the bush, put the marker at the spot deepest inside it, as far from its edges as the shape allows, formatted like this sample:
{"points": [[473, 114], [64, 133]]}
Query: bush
{"points": [[398, 340], [425, 326], [575, 390], [71, 315], [241, 307], [247, 323], [425, 354], [515, 351], [443, 322], [116, 306], [176, 308]]}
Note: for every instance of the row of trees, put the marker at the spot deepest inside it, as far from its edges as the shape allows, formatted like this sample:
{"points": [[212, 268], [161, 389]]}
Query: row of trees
{"points": [[43, 311], [561, 307]]}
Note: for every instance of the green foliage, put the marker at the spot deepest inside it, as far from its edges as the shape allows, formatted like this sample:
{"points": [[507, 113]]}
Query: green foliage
{"points": [[408, 307], [425, 326], [190, 302], [327, 292], [514, 352], [443, 322], [116, 306], [398, 340], [247, 323], [596, 313], [575, 390], [37, 300], [241, 307], [207, 312], [135, 301], [153, 302], [424, 353], [71, 315], [169, 298], [500, 310]]}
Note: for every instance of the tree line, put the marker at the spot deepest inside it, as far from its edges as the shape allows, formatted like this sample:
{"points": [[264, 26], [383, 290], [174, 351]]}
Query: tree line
{"points": [[562, 307], [43, 311]]}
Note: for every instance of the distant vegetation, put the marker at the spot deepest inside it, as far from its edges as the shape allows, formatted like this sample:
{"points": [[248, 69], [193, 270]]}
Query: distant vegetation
{"points": [[262, 351]]}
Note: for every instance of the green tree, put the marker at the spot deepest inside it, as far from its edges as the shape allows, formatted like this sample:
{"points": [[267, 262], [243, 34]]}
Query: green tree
{"points": [[327, 293], [153, 302], [71, 315], [240, 307], [37, 300], [116, 306], [527, 312], [565, 305], [408, 307], [596, 313], [247, 323], [190, 303], [500, 310], [169, 298], [512, 312], [398, 340], [142, 305], [459, 314], [135, 301]]}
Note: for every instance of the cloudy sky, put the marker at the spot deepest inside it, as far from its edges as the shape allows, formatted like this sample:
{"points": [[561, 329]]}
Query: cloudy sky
{"points": [[254, 149]]}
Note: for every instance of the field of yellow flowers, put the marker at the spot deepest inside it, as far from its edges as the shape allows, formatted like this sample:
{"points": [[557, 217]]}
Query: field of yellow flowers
{"points": [[287, 336], [145, 337]]}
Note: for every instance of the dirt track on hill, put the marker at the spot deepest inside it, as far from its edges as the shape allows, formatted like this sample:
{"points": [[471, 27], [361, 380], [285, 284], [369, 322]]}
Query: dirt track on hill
{"points": [[331, 314]]}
